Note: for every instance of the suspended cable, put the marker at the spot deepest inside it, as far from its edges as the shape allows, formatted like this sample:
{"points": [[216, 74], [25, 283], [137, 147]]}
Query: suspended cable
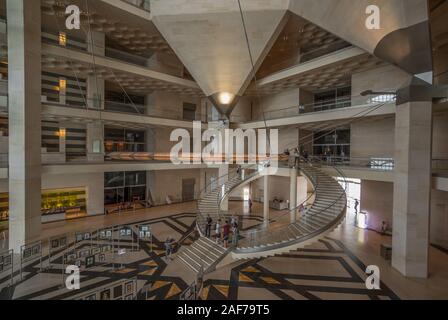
{"points": [[253, 73]]}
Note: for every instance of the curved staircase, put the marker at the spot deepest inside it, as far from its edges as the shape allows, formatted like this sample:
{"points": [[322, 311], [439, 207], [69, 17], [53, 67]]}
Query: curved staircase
{"points": [[326, 213]]}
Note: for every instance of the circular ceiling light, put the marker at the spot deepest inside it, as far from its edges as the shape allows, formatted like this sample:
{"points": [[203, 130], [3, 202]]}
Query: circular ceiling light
{"points": [[225, 98]]}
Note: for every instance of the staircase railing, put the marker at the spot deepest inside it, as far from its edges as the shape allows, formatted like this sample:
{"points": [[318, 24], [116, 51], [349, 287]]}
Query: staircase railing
{"points": [[260, 240]]}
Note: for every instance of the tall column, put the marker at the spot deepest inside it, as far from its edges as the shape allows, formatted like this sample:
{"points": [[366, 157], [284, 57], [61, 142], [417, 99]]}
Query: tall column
{"points": [[223, 172], [412, 185], [24, 69], [293, 194], [95, 99], [266, 200]]}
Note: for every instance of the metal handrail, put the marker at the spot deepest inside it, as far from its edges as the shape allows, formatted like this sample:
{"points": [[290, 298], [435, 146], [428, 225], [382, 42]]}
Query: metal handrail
{"points": [[300, 109], [282, 216], [373, 163], [257, 241], [230, 176]]}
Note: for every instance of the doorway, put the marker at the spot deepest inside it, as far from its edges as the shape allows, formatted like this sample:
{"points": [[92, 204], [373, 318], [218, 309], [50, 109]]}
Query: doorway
{"points": [[188, 189]]}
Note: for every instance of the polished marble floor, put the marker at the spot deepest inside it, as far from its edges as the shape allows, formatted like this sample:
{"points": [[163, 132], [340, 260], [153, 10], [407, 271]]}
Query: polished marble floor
{"points": [[333, 268]]}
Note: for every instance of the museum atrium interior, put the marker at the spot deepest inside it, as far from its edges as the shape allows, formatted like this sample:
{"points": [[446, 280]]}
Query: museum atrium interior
{"points": [[310, 139]]}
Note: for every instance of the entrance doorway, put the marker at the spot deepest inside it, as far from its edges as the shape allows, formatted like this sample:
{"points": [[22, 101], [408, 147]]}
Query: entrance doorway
{"points": [[188, 189]]}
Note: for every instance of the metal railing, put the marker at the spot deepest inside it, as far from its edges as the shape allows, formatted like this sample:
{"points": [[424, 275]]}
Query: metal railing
{"points": [[122, 108], [216, 191], [280, 234], [374, 163], [321, 106]]}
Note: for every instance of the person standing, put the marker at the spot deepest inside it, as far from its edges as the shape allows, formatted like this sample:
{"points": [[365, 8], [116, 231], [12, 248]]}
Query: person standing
{"points": [[356, 206], [235, 232], [383, 228], [218, 230], [225, 233], [208, 226], [250, 205], [305, 154], [296, 158], [168, 248]]}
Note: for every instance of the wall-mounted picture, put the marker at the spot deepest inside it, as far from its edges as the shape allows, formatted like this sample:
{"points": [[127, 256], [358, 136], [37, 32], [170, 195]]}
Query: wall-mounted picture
{"points": [[96, 250], [84, 253], [79, 237], [129, 287], [105, 294], [87, 236], [102, 258], [63, 242], [36, 249], [109, 233], [27, 253], [90, 261], [70, 257], [54, 244], [7, 260], [102, 234]]}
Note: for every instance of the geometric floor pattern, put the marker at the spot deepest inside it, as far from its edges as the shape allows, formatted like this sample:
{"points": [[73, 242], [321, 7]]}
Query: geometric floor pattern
{"points": [[327, 270], [145, 265]]}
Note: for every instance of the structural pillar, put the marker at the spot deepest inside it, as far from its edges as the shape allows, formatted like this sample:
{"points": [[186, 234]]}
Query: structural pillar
{"points": [[223, 174], [412, 184], [24, 69], [293, 194], [266, 200]]}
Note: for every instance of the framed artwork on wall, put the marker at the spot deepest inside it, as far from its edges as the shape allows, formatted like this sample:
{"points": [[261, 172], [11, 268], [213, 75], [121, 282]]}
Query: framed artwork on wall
{"points": [[90, 261], [129, 287]]}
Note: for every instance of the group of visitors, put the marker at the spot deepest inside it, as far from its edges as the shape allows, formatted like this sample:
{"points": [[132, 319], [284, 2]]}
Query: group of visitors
{"points": [[224, 232], [294, 156]]}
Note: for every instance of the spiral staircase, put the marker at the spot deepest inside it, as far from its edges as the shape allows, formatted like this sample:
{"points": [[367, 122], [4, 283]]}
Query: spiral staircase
{"points": [[325, 214]]}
